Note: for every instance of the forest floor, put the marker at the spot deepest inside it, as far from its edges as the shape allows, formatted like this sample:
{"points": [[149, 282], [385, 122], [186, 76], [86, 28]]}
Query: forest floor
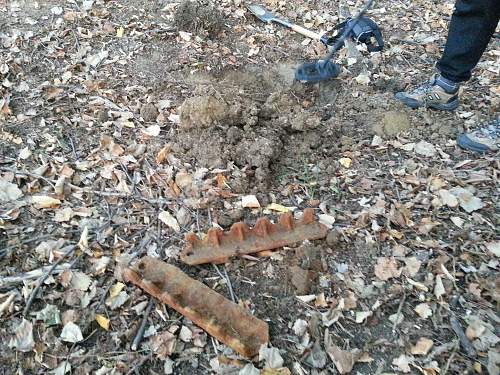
{"points": [[126, 125]]}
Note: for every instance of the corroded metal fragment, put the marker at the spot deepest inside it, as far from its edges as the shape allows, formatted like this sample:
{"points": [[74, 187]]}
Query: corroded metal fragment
{"points": [[219, 246], [226, 321]]}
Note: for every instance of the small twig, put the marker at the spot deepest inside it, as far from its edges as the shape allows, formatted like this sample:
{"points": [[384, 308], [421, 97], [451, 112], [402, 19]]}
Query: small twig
{"points": [[198, 220], [118, 195], [87, 190], [73, 148], [144, 242], [398, 313], [31, 298], [214, 345], [139, 365], [142, 328], [228, 282], [231, 291], [447, 366], [464, 341]]}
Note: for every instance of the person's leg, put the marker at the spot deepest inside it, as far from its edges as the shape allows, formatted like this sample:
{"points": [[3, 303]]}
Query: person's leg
{"points": [[471, 28]]}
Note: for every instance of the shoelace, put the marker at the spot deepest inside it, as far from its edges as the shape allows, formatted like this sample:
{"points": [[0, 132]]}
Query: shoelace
{"points": [[425, 88]]}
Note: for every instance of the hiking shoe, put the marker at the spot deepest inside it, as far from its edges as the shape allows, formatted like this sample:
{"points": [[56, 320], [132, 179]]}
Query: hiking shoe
{"points": [[482, 140], [437, 93]]}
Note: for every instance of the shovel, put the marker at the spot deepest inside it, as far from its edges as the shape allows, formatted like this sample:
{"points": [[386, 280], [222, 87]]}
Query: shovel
{"points": [[264, 15]]}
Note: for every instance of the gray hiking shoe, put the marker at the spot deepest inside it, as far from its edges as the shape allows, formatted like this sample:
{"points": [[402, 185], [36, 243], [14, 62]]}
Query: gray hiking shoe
{"points": [[431, 94], [485, 139]]}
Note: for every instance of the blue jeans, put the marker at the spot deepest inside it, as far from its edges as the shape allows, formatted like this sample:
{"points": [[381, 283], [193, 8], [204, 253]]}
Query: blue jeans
{"points": [[471, 28]]}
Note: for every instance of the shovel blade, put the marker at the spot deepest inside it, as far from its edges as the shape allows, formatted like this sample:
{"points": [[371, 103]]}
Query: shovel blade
{"points": [[261, 13]]}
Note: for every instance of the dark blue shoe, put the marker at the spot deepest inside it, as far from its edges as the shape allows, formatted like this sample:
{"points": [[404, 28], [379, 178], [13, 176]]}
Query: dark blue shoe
{"points": [[483, 140]]}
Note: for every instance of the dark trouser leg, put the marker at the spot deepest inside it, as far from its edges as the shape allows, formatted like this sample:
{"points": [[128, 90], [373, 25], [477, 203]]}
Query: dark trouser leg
{"points": [[471, 28]]}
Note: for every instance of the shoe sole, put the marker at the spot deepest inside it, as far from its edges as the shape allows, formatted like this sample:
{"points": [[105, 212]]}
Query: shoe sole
{"points": [[467, 144], [451, 106]]}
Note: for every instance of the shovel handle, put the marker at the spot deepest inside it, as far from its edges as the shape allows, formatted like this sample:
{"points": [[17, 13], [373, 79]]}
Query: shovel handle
{"points": [[306, 32]]}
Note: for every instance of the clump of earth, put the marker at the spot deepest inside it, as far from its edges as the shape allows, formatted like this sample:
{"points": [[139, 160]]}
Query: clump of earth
{"points": [[215, 132], [252, 134], [195, 17]]}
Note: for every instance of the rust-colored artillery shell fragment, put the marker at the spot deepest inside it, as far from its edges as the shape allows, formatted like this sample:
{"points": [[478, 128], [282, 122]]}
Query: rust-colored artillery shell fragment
{"points": [[219, 246], [226, 321]]}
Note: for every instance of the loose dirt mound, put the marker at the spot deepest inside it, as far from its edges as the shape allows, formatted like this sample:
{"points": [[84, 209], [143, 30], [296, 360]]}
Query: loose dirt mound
{"points": [[195, 17], [226, 127]]}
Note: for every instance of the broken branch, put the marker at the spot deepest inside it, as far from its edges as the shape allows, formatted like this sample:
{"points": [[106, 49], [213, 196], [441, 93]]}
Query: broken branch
{"points": [[142, 328], [69, 250]]}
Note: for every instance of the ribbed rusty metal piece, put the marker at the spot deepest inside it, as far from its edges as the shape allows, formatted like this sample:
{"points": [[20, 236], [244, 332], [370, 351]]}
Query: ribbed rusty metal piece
{"points": [[219, 246], [226, 321]]}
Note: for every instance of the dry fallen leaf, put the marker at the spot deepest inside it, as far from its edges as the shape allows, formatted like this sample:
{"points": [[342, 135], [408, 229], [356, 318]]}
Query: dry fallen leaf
{"points": [[163, 153], [467, 200], [44, 201], [152, 131], [185, 334], [361, 316], [402, 363], [6, 305], [9, 191], [422, 346], [439, 290], [423, 310], [448, 199], [425, 149], [475, 329], [117, 301], [25, 153], [457, 221], [163, 344], [279, 208], [170, 221], [271, 356], [83, 243], [249, 369], [345, 162], [184, 180], [250, 201], [412, 266], [119, 32], [102, 321], [63, 215], [116, 289], [23, 337], [494, 248], [275, 371], [185, 36], [327, 220], [362, 79], [387, 268], [417, 285], [300, 327], [344, 360], [71, 333], [80, 281]]}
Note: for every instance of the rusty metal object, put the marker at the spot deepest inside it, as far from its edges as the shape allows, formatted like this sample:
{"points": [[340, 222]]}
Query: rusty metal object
{"points": [[219, 246], [226, 321]]}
